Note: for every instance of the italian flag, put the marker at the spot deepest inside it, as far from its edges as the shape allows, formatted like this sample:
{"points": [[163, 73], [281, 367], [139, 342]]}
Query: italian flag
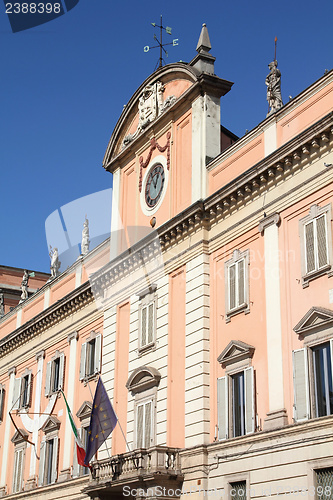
{"points": [[80, 451]]}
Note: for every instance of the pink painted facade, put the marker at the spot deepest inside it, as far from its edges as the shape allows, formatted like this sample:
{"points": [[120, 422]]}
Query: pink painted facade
{"points": [[209, 315]]}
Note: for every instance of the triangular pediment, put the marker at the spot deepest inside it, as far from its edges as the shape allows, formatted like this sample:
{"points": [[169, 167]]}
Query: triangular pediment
{"points": [[85, 410], [317, 318], [51, 424], [235, 351], [20, 436]]}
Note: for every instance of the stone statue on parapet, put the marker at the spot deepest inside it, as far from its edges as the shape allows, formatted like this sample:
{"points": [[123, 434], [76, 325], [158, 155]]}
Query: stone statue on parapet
{"points": [[55, 263], [2, 306], [85, 242], [24, 286], [273, 82]]}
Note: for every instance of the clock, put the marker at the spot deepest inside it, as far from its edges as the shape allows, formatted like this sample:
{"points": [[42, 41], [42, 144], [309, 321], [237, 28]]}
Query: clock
{"points": [[154, 185]]}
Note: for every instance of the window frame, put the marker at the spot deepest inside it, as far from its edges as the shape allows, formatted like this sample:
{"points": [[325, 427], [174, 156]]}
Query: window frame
{"points": [[51, 430], [20, 446], [141, 401], [314, 214], [83, 414], [19, 400], [85, 360], [236, 259], [147, 298], [51, 373]]}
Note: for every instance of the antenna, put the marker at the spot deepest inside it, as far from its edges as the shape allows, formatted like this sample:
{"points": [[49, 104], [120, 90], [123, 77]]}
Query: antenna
{"points": [[161, 45]]}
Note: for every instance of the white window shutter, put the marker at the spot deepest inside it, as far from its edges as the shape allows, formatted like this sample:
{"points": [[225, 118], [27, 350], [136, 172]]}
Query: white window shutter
{"points": [[48, 379], [222, 407], [16, 394], [54, 473], [98, 353], [29, 389], [322, 241], [61, 371], [18, 469], [301, 385], [249, 400], [41, 463], [150, 323], [232, 286], [241, 282], [309, 247], [83, 361], [139, 426], [144, 326], [148, 424]]}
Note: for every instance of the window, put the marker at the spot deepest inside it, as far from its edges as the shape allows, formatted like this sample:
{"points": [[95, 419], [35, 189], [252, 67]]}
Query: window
{"points": [[147, 318], [312, 365], [235, 391], [316, 243], [237, 284], [22, 391], [90, 357], [313, 381], [19, 441], [83, 415], [54, 380], [324, 483], [144, 424], [143, 383], [2, 401], [48, 463], [238, 490]]}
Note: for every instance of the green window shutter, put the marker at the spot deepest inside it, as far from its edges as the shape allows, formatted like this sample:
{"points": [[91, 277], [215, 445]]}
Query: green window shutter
{"points": [[232, 286], [222, 407], [301, 385], [322, 241], [309, 247], [249, 400]]}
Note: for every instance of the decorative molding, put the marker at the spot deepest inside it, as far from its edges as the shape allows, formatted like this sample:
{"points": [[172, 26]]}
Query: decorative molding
{"points": [[317, 318], [234, 352], [151, 289], [269, 220], [12, 371], [142, 379], [51, 424], [154, 145], [84, 411], [40, 354], [72, 336], [20, 436]]}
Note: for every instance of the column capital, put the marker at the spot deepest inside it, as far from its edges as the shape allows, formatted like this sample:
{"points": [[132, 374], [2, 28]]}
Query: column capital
{"points": [[269, 220], [40, 354], [72, 336], [12, 371]]}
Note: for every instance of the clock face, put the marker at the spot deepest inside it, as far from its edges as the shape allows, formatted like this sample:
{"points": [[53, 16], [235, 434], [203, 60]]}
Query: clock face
{"points": [[154, 185]]}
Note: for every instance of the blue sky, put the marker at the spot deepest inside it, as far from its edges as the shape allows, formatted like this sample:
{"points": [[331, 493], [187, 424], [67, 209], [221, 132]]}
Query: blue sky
{"points": [[64, 84]]}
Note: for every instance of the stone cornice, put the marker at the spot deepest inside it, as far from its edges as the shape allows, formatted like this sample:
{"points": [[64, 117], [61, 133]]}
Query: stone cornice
{"points": [[269, 221], [56, 312]]}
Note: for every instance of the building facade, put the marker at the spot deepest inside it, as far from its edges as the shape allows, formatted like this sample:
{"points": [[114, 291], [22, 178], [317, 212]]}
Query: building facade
{"points": [[208, 312]]}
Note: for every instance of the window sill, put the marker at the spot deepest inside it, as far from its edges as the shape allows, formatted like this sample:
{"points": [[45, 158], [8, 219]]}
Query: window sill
{"points": [[316, 274], [146, 348], [242, 308], [89, 378]]}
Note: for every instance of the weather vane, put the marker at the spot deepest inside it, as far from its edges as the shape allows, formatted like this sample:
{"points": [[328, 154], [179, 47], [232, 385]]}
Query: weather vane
{"points": [[161, 45]]}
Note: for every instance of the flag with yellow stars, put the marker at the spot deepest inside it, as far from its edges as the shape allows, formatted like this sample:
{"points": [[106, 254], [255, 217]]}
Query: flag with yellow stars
{"points": [[102, 421]]}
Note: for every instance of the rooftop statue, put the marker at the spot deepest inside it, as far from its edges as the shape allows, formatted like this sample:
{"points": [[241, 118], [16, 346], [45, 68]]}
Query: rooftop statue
{"points": [[55, 263], [85, 242], [24, 286], [2, 307], [273, 82]]}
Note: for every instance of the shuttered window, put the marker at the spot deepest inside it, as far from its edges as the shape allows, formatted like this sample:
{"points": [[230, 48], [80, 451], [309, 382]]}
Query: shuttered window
{"points": [[315, 239], [22, 392], [147, 324], [18, 470], [144, 414], [2, 401], [54, 380], [324, 486], [90, 363], [236, 280], [323, 380], [48, 463], [242, 411]]}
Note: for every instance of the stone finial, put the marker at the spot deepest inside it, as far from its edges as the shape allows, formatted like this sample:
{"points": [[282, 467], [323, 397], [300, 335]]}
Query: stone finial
{"points": [[204, 42]]}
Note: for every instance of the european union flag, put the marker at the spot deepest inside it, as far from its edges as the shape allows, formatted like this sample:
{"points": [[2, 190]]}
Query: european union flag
{"points": [[102, 421]]}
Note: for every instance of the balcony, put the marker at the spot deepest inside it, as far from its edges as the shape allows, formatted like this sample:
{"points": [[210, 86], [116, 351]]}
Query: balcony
{"points": [[154, 467]]}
